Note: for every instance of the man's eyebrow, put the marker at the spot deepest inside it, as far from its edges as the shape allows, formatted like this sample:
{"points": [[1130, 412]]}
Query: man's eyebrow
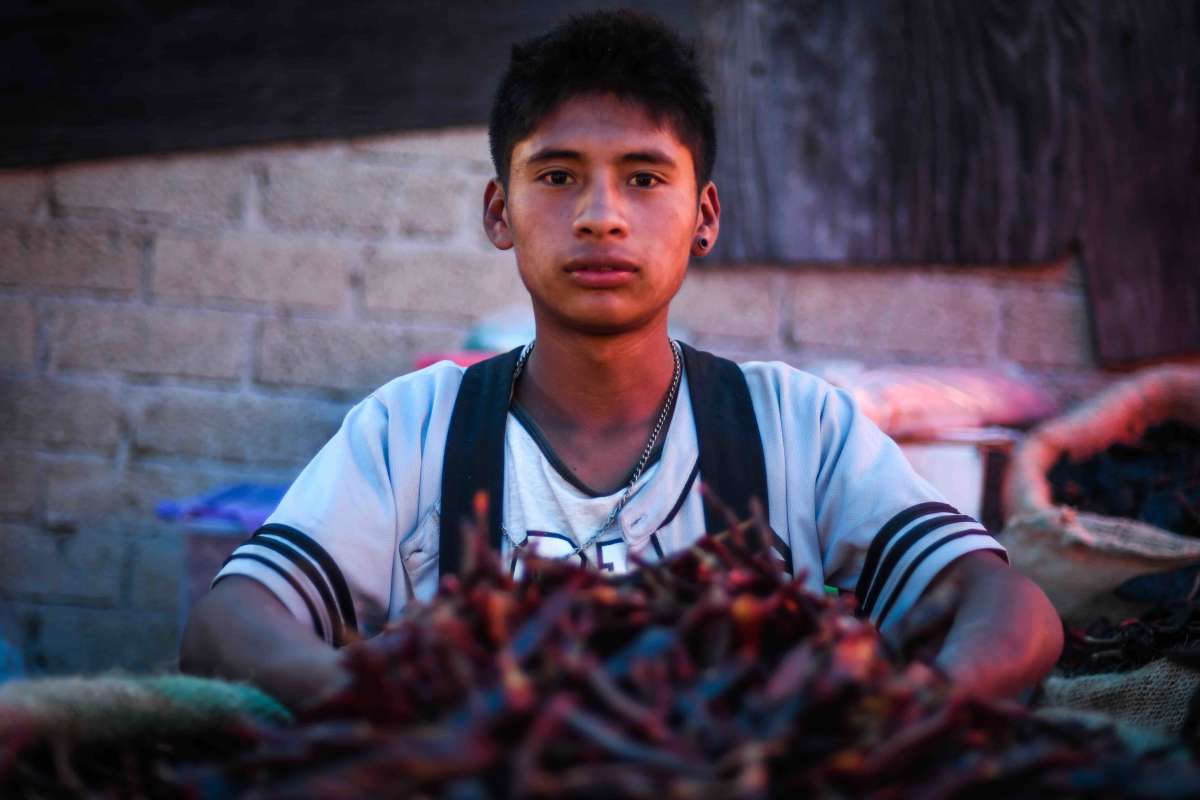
{"points": [[651, 156], [554, 154], [648, 157]]}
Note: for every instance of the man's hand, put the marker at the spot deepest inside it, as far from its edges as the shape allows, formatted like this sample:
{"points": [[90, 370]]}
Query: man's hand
{"points": [[240, 631], [991, 629]]}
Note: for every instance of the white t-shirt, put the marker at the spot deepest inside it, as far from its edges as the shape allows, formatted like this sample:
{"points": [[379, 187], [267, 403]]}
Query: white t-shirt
{"points": [[356, 536]]}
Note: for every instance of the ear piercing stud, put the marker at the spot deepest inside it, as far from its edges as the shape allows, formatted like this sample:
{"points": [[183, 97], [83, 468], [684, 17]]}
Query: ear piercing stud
{"points": [[704, 243]]}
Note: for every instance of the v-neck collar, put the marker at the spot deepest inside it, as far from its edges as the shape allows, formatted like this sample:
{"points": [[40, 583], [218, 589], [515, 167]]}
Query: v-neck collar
{"points": [[521, 415]]}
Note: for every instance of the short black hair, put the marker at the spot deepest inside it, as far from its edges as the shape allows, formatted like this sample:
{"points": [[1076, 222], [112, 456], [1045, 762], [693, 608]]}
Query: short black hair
{"points": [[626, 53]]}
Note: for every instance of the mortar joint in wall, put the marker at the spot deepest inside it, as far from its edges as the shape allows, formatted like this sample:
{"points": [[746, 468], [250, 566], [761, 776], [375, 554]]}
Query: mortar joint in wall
{"points": [[39, 490], [146, 270], [41, 336], [124, 442], [250, 355], [125, 579], [358, 291], [784, 304], [54, 207], [252, 197]]}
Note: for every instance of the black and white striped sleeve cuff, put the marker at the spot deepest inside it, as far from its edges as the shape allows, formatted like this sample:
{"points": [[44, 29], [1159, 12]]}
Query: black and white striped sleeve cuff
{"points": [[907, 554], [302, 575]]}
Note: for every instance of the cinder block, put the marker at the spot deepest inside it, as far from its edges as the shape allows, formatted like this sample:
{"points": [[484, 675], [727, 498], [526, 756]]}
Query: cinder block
{"points": [[64, 639], [900, 310], [83, 492], [90, 492], [1047, 327], [83, 566], [260, 269], [156, 569], [147, 341], [467, 146], [18, 484], [204, 189], [70, 258], [331, 194], [247, 428], [354, 356], [459, 285], [22, 192], [733, 302], [59, 412], [17, 334]]}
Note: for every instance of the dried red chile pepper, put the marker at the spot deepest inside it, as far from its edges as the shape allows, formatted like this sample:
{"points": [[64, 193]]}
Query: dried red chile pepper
{"points": [[708, 675], [1171, 630]]}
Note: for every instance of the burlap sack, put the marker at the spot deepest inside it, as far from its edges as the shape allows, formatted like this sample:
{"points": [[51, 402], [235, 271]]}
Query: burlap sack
{"points": [[1154, 698], [123, 708], [1076, 557], [1138, 740]]}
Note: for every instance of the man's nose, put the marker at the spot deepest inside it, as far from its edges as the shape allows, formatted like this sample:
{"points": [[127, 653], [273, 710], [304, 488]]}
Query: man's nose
{"points": [[601, 212]]}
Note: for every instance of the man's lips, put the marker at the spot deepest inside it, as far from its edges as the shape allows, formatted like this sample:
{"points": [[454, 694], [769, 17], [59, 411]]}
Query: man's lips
{"points": [[601, 273], [601, 265]]}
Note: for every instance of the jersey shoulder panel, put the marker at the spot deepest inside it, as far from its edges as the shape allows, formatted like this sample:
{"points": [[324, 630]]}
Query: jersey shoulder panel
{"points": [[421, 389]]}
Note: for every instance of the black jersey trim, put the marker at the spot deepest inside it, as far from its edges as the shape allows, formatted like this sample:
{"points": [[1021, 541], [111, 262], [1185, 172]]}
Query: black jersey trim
{"points": [[539, 437], [679, 501], [889, 529], [908, 572], [902, 546], [309, 547], [553, 535], [658, 548], [783, 548], [291, 579], [296, 557]]}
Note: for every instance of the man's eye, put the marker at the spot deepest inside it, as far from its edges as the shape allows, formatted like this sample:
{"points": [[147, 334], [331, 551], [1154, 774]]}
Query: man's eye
{"points": [[557, 178], [644, 180]]}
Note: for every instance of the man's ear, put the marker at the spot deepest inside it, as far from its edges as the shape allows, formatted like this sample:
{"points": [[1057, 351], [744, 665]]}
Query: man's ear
{"points": [[708, 221], [495, 215]]}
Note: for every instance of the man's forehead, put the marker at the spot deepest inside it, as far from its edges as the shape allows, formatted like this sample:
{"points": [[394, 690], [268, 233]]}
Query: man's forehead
{"points": [[602, 126]]}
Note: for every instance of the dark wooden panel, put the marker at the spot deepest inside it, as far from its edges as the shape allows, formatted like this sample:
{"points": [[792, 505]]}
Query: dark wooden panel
{"points": [[1141, 230], [795, 164], [119, 77], [977, 123], [899, 130], [994, 131]]}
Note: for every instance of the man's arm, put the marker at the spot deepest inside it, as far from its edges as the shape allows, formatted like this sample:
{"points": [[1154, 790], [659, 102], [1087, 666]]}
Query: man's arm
{"points": [[240, 631], [1004, 635]]}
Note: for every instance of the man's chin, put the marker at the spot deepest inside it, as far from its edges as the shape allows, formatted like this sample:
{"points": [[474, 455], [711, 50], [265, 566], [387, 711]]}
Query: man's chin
{"points": [[601, 323], [603, 327]]}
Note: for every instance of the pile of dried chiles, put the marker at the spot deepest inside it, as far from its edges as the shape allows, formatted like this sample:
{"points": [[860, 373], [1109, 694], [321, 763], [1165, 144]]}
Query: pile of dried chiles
{"points": [[709, 675], [1170, 630], [1155, 480]]}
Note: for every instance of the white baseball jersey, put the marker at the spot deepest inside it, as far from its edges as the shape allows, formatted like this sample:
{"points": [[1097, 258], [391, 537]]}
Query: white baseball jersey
{"points": [[356, 536]]}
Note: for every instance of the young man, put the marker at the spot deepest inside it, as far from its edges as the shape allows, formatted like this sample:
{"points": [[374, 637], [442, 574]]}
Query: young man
{"points": [[593, 441]]}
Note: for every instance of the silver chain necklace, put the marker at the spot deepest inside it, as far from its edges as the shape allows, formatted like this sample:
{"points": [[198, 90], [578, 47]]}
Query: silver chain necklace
{"points": [[641, 464]]}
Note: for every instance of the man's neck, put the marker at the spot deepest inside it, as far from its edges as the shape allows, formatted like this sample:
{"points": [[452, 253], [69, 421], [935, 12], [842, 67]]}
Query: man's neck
{"points": [[597, 384]]}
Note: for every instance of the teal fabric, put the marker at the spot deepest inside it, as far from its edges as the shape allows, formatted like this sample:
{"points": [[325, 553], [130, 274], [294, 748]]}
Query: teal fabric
{"points": [[219, 697], [119, 707]]}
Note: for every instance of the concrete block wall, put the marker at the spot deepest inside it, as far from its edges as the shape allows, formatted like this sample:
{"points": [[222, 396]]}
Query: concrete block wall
{"points": [[172, 324]]}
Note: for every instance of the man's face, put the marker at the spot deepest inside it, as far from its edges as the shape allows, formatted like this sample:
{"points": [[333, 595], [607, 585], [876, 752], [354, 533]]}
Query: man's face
{"points": [[602, 210]]}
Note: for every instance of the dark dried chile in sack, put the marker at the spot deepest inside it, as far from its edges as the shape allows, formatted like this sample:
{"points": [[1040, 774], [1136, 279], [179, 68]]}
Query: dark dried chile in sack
{"points": [[1155, 480]]}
